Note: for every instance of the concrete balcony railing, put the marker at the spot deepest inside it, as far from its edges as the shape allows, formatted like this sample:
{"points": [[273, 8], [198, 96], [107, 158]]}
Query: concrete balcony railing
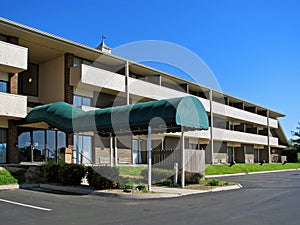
{"points": [[154, 91], [91, 76], [235, 113], [240, 137], [13, 106], [13, 58]]}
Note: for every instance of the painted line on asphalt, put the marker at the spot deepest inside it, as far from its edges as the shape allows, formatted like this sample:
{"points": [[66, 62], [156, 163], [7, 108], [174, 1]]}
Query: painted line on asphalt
{"points": [[25, 205]]}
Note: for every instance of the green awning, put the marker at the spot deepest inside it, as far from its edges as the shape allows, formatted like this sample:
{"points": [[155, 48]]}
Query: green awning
{"points": [[167, 115]]}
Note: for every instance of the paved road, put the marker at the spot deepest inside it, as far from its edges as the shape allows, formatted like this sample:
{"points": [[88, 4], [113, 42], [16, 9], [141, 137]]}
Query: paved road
{"points": [[265, 199]]}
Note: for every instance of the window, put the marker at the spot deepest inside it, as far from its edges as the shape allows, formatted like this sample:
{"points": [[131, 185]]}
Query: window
{"points": [[81, 100], [28, 81], [3, 86], [77, 61], [3, 38], [3, 143], [44, 144]]}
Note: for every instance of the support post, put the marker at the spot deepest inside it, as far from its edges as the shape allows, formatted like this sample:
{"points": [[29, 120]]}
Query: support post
{"points": [[77, 148], [269, 146], [127, 82], [111, 149], [116, 151], [211, 127], [149, 158], [182, 158]]}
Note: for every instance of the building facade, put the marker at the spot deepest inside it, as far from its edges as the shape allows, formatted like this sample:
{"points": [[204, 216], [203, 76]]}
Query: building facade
{"points": [[38, 68]]}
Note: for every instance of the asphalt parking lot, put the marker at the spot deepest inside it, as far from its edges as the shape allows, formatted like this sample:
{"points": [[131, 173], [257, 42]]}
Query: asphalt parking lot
{"points": [[265, 199]]}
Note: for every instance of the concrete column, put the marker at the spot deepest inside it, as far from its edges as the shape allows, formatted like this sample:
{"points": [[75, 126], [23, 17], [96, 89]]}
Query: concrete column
{"points": [[211, 126], [127, 83], [269, 146]]}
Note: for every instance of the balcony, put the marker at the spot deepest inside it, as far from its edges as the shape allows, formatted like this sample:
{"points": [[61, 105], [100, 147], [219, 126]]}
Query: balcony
{"points": [[13, 106], [154, 91], [242, 115], [240, 137], [91, 76], [88, 77], [13, 58]]}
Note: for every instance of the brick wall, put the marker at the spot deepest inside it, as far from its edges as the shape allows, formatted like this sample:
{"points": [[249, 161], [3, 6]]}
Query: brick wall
{"points": [[12, 136]]}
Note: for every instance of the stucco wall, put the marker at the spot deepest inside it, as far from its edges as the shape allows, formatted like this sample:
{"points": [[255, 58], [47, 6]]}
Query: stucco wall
{"points": [[51, 80]]}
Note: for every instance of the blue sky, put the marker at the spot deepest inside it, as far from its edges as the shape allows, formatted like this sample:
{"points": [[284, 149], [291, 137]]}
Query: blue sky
{"points": [[252, 46]]}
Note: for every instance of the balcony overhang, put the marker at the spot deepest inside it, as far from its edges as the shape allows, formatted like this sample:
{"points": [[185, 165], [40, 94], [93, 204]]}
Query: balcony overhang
{"points": [[13, 58], [13, 106]]}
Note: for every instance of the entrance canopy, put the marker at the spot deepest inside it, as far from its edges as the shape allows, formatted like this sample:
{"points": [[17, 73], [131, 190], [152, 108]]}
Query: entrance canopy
{"points": [[168, 115]]}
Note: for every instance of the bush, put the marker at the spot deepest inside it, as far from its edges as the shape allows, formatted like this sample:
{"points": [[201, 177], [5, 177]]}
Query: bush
{"points": [[190, 177], [166, 182], [51, 172], [142, 187], [103, 177], [6, 177], [71, 174], [214, 182], [157, 174]]}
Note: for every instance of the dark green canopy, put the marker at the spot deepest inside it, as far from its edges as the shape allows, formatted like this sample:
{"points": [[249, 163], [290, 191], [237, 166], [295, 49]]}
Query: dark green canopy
{"points": [[167, 115]]}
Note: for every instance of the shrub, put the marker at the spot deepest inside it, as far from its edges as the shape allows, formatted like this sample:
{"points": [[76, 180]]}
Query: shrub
{"points": [[71, 174], [190, 177], [166, 182], [6, 177], [142, 187], [214, 182], [51, 172], [103, 177]]}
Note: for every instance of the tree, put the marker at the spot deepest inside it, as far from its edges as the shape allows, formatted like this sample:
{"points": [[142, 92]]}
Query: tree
{"points": [[294, 146]]}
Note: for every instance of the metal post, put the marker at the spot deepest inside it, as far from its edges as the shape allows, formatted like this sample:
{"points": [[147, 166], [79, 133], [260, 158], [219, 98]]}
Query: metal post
{"points": [[175, 181], [111, 149], [77, 148], [116, 151], [182, 159], [149, 158]]}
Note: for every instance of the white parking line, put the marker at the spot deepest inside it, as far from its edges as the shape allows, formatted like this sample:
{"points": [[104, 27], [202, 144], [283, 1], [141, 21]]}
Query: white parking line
{"points": [[25, 205]]}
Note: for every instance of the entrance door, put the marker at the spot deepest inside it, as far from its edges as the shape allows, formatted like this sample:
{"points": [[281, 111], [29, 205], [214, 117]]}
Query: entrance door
{"points": [[84, 147]]}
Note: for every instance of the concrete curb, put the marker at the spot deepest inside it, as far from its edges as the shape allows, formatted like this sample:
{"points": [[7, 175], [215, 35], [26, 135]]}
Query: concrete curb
{"points": [[9, 187], [158, 192], [250, 173]]}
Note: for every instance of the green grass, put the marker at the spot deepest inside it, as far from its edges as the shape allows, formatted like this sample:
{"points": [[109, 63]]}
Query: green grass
{"points": [[246, 168], [6, 177], [131, 170]]}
